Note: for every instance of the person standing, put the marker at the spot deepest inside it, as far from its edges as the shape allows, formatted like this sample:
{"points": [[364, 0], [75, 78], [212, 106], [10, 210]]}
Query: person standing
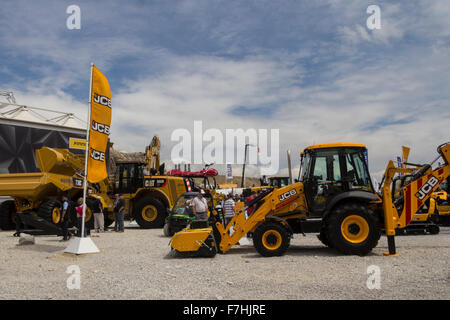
{"points": [[99, 219], [200, 207], [65, 217], [228, 208], [119, 213], [79, 210]]}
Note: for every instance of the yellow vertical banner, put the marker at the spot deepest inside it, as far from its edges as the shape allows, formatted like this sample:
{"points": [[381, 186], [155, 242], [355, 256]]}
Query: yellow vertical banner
{"points": [[99, 127]]}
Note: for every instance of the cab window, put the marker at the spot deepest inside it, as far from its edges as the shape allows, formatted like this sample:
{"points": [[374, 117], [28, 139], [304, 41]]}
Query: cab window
{"points": [[357, 174]]}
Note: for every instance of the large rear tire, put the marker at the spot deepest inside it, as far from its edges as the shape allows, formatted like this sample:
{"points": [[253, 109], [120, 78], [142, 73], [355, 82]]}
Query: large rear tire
{"points": [[7, 210], [271, 239], [353, 229], [149, 213]]}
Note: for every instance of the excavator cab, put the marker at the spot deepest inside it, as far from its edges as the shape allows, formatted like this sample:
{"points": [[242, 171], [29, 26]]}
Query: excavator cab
{"points": [[330, 170]]}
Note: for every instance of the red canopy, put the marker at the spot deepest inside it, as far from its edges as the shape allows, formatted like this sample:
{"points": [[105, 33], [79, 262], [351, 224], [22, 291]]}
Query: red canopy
{"points": [[201, 173]]}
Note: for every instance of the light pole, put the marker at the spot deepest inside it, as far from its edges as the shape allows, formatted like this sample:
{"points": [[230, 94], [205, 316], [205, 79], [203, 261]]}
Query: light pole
{"points": [[243, 166]]}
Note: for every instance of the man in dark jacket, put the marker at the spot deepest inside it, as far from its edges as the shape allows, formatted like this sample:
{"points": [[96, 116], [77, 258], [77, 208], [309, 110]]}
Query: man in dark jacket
{"points": [[119, 213], [65, 212]]}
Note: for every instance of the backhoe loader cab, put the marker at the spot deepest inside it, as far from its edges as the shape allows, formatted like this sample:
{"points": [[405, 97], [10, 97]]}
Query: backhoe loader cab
{"points": [[332, 172]]}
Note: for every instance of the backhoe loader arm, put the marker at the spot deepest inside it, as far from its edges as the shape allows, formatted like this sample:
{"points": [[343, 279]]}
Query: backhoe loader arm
{"points": [[423, 183], [270, 202]]}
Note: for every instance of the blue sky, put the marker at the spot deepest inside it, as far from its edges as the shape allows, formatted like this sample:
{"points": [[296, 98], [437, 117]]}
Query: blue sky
{"points": [[311, 69]]}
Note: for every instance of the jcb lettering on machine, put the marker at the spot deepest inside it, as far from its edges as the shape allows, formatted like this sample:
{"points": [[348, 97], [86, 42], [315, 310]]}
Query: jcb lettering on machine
{"points": [[427, 188], [288, 194]]}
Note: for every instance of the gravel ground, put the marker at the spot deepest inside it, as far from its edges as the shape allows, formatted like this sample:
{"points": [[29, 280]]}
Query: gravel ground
{"points": [[137, 265]]}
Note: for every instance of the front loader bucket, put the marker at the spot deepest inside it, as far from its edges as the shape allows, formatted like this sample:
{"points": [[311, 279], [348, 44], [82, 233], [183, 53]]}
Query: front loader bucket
{"points": [[201, 242]]}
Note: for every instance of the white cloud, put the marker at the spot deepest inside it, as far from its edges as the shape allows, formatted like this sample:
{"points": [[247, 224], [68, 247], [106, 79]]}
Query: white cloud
{"points": [[363, 90]]}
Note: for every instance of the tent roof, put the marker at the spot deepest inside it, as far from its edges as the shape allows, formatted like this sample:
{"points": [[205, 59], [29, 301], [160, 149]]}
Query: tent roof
{"points": [[38, 116]]}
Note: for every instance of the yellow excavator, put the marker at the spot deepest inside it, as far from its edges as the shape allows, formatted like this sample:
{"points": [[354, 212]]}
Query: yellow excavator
{"points": [[334, 198]]}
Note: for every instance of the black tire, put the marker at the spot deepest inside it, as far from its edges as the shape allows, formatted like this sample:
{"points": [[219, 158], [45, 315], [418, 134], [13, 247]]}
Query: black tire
{"points": [[50, 211], [7, 210], [357, 240], [154, 221], [89, 219], [271, 239], [433, 229], [168, 232], [323, 237]]}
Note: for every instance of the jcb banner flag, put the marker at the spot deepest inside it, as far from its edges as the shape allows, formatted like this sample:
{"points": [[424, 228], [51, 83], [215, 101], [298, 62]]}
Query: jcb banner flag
{"points": [[99, 130]]}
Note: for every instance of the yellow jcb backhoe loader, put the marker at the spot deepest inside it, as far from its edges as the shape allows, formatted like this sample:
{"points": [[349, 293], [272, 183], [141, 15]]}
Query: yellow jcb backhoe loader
{"points": [[334, 198]]}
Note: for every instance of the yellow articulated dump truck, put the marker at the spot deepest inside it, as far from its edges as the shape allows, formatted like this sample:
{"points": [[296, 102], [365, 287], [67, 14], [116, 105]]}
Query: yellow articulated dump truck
{"points": [[334, 198], [40, 193]]}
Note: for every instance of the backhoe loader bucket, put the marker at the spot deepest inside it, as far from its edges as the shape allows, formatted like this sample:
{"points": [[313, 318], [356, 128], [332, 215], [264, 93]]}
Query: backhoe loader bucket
{"points": [[201, 242]]}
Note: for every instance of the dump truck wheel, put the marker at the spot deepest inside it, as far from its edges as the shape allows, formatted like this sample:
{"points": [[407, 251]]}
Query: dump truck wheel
{"points": [[88, 220], [7, 210], [149, 213], [271, 239], [50, 211], [353, 229]]}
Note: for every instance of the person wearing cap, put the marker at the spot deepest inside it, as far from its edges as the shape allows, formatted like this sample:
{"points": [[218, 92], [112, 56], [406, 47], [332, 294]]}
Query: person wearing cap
{"points": [[99, 219], [200, 207]]}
